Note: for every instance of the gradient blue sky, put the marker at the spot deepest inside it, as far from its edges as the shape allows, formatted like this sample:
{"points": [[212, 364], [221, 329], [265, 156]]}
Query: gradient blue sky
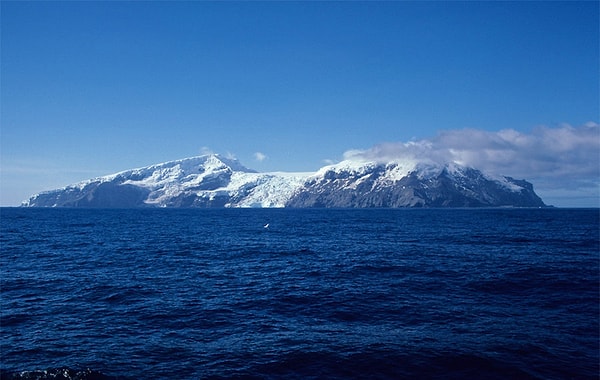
{"points": [[92, 88]]}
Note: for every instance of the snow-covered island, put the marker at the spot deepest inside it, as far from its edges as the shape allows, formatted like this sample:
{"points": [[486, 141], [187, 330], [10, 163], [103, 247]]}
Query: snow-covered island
{"points": [[216, 181]]}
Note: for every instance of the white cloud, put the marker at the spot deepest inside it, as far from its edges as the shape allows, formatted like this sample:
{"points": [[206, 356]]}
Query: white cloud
{"points": [[557, 154], [559, 158], [260, 157], [205, 150]]}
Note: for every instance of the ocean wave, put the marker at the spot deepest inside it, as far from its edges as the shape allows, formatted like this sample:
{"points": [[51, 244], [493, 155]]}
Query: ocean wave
{"points": [[56, 374]]}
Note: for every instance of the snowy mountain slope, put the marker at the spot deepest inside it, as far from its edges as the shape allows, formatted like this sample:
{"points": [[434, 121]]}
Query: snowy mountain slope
{"points": [[215, 181], [204, 181], [411, 184]]}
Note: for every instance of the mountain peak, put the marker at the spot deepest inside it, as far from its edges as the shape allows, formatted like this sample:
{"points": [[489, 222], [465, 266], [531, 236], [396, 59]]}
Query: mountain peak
{"points": [[231, 162], [203, 162]]}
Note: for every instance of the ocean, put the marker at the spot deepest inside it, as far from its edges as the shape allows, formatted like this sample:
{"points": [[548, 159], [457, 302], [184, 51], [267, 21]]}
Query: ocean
{"points": [[299, 294]]}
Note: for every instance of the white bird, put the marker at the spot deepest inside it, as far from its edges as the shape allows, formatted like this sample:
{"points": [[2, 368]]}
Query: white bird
{"points": [[266, 225]]}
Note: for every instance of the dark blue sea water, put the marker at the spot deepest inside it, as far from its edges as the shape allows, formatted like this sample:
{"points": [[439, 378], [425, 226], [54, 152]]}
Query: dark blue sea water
{"points": [[320, 294]]}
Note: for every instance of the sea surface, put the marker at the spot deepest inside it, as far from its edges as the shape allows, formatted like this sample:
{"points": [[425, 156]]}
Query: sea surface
{"points": [[318, 294]]}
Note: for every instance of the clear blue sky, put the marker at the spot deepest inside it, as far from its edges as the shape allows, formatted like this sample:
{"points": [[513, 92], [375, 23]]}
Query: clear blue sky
{"points": [[92, 88]]}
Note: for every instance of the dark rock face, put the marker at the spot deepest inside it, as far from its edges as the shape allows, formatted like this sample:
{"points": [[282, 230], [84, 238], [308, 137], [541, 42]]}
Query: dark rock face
{"points": [[465, 187], [94, 195]]}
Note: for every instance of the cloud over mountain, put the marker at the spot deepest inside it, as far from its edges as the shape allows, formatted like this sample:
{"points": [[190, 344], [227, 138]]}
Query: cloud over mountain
{"points": [[555, 159]]}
